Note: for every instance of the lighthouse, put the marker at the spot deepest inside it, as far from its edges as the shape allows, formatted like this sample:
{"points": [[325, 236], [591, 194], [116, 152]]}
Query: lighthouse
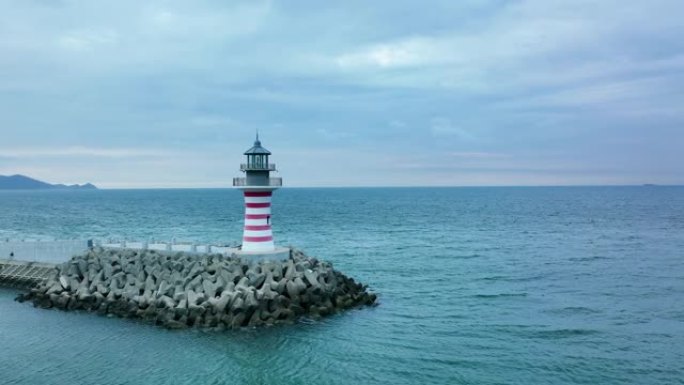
{"points": [[257, 187]]}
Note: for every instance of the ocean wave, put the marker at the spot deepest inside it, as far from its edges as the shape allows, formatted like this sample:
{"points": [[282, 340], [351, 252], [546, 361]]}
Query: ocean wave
{"points": [[500, 295]]}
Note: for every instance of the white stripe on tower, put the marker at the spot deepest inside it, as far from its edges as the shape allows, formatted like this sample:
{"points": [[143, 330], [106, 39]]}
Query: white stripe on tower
{"points": [[258, 199], [258, 211], [257, 235], [255, 222]]}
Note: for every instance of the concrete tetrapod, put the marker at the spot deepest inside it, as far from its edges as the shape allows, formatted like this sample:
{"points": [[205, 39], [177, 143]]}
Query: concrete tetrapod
{"points": [[179, 290]]}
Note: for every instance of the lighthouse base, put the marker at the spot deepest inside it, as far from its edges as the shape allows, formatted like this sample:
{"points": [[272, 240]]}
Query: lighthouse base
{"points": [[276, 254]]}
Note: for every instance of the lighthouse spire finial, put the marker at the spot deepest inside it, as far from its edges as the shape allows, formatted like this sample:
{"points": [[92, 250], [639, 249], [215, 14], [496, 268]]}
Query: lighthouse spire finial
{"points": [[257, 135]]}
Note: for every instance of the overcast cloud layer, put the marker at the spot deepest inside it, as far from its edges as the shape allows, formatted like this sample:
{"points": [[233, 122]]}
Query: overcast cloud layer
{"points": [[160, 94]]}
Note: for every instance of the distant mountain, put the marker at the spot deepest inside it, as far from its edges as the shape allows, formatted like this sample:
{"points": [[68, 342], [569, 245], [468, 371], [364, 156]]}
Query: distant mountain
{"points": [[21, 182]]}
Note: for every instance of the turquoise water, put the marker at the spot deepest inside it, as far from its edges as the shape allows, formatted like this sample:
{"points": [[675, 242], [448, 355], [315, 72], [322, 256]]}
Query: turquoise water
{"points": [[577, 285]]}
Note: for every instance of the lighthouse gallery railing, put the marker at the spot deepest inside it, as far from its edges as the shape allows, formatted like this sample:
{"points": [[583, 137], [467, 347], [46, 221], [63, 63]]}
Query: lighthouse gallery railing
{"points": [[272, 182], [257, 167]]}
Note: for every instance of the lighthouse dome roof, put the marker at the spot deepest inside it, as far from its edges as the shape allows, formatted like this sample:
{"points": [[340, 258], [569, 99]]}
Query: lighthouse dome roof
{"points": [[257, 149]]}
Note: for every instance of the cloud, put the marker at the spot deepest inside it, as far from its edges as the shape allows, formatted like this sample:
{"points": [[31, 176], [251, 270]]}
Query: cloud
{"points": [[411, 52], [87, 152], [445, 127], [88, 39], [526, 43], [334, 135], [478, 155], [158, 85]]}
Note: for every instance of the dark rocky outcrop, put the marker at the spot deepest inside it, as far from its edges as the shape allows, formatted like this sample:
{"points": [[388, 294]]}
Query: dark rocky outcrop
{"points": [[182, 290]]}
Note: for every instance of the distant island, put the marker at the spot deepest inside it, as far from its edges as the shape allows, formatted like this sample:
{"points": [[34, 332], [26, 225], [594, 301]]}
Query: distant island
{"points": [[21, 182]]}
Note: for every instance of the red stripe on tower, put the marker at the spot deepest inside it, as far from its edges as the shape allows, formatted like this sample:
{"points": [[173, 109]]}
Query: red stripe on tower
{"points": [[257, 239], [258, 193], [257, 227], [258, 205], [256, 216]]}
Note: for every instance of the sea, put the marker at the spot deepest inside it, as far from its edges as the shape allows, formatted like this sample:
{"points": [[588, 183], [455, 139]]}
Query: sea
{"points": [[491, 285]]}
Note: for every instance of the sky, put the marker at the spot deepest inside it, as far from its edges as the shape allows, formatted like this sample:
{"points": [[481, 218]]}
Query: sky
{"points": [[140, 94]]}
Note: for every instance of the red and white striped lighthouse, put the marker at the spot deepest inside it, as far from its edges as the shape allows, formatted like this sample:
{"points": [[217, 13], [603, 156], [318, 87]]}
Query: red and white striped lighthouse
{"points": [[258, 186]]}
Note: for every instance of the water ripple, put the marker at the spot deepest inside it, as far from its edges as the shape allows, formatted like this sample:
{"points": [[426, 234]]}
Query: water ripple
{"points": [[526, 285]]}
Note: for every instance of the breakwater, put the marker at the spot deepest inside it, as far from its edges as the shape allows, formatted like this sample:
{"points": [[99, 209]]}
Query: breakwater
{"points": [[189, 290]]}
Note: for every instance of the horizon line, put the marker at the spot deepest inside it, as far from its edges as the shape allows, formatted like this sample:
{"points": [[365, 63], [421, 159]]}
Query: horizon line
{"points": [[373, 186]]}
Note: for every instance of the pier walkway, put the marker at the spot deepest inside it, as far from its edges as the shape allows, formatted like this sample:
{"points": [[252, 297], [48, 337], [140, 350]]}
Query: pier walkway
{"points": [[23, 274]]}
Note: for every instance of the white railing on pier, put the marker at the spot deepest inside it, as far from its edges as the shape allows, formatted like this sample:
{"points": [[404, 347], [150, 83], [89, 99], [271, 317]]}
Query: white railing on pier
{"points": [[57, 251], [52, 251], [188, 247]]}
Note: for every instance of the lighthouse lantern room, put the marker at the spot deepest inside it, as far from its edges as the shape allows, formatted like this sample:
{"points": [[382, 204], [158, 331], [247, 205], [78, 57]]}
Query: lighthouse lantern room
{"points": [[257, 187]]}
